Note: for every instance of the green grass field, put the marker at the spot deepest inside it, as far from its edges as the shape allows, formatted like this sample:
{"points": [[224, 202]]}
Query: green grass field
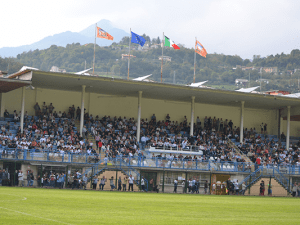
{"points": [[52, 206]]}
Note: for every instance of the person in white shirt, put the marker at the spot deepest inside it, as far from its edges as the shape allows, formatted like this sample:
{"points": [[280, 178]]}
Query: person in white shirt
{"points": [[20, 178], [143, 184], [130, 180]]}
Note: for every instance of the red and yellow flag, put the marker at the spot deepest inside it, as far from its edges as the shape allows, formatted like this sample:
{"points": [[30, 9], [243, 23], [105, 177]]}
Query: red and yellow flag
{"points": [[200, 49], [103, 34]]}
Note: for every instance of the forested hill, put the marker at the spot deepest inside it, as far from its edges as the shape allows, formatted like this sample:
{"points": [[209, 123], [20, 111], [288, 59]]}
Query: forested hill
{"points": [[219, 69]]}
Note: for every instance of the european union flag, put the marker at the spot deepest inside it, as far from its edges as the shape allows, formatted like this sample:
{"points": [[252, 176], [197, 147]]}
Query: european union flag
{"points": [[137, 39]]}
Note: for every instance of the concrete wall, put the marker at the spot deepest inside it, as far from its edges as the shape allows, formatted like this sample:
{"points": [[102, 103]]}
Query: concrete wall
{"points": [[98, 104], [294, 128]]}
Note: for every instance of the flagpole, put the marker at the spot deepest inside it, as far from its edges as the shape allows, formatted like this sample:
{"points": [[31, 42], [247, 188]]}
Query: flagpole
{"points": [[94, 48], [195, 60], [129, 54], [162, 57]]}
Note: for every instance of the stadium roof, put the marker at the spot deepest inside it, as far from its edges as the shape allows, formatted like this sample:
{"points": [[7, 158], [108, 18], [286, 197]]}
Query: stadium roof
{"points": [[163, 91], [7, 85]]}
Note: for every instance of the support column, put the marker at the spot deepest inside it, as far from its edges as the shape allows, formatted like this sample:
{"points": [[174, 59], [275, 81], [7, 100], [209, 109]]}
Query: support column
{"points": [[192, 116], [288, 120], [2, 105], [242, 122], [138, 132], [82, 110], [22, 109], [279, 123]]}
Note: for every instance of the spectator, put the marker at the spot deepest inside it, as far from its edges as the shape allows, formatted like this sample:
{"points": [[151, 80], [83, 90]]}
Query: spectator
{"points": [[130, 180], [6, 114], [125, 180], [112, 185]]}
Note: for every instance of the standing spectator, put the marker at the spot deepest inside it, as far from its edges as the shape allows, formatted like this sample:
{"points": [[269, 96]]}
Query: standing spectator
{"points": [[125, 180], [206, 186], [265, 129], [262, 128], [230, 124], [112, 185], [51, 108], [262, 188], [31, 178], [119, 184], [228, 185], [37, 109], [28, 178], [20, 177], [78, 112], [131, 180], [95, 181], [84, 181], [243, 188], [175, 185], [6, 114], [236, 187], [44, 108], [102, 183], [294, 190], [143, 184]]}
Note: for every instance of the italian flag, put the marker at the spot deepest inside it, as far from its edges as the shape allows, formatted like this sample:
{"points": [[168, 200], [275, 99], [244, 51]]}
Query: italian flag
{"points": [[170, 43]]}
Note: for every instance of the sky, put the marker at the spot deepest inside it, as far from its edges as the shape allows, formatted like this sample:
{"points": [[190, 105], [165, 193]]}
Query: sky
{"points": [[231, 27]]}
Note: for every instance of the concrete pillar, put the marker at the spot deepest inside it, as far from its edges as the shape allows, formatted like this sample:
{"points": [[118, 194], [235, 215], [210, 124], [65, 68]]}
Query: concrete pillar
{"points": [[192, 116], [22, 109], [242, 122], [288, 120], [138, 133], [82, 109]]}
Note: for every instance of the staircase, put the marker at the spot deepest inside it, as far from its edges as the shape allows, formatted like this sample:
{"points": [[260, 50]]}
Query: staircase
{"points": [[91, 138], [232, 145], [267, 173]]}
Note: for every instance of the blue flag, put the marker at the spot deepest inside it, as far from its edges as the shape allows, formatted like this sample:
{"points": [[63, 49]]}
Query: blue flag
{"points": [[137, 39]]}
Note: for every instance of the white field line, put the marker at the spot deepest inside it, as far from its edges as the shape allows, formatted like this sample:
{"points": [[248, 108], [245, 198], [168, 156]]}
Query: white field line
{"points": [[27, 214]]}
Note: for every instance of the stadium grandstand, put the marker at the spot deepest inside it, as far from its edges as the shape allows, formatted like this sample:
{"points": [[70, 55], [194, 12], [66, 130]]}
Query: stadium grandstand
{"points": [[76, 131]]}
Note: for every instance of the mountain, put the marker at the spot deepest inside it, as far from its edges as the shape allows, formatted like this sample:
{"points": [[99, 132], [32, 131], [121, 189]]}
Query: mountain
{"points": [[62, 39]]}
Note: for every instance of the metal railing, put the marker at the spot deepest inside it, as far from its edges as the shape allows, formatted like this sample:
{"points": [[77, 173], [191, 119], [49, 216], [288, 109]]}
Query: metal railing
{"points": [[142, 162]]}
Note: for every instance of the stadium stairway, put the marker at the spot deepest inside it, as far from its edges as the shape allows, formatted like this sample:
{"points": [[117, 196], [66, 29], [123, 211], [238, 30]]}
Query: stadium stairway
{"points": [[232, 145], [279, 182], [91, 138]]}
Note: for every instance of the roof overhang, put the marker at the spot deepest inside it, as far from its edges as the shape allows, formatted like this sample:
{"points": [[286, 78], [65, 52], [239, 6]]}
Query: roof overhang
{"points": [[7, 84], [162, 91]]}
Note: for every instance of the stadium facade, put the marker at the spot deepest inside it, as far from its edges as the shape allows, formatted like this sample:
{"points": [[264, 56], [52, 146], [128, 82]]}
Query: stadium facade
{"points": [[126, 98]]}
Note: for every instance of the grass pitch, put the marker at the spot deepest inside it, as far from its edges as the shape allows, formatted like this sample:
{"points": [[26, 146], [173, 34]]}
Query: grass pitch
{"points": [[52, 206]]}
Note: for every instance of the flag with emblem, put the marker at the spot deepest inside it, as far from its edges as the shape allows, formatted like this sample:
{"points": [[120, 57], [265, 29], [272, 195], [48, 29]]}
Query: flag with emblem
{"points": [[135, 38], [199, 49], [103, 34]]}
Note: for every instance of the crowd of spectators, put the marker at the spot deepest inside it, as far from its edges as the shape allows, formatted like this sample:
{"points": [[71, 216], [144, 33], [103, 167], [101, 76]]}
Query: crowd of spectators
{"points": [[116, 136], [268, 150]]}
